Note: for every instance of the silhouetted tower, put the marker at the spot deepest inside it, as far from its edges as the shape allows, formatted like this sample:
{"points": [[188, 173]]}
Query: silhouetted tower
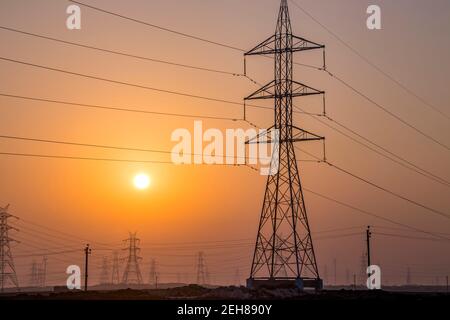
{"points": [[104, 275], [201, 269], [132, 272], [115, 274], [42, 272], [283, 209], [152, 279], [7, 270], [33, 283]]}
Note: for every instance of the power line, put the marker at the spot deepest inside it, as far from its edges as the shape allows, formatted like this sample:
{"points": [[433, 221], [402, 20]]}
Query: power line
{"points": [[159, 27], [408, 237], [431, 175], [183, 34], [242, 50], [390, 77], [443, 214], [79, 144], [95, 106], [134, 85], [384, 109], [419, 170], [354, 208], [34, 155], [120, 53]]}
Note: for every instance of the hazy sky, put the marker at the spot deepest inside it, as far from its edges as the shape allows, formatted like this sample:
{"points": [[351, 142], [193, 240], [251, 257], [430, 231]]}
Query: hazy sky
{"points": [[97, 201]]}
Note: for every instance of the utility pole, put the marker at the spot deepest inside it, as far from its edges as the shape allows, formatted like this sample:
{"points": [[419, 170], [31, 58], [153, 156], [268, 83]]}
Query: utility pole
{"points": [[87, 252], [7, 269], [368, 236], [283, 208], [446, 280]]}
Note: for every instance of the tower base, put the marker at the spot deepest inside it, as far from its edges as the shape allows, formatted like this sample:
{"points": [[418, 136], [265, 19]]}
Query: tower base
{"points": [[275, 283]]}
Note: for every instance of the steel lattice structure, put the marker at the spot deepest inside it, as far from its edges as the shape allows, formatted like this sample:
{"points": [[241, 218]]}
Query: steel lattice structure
{"points": [[7, 269], [132, 273], [284, 249]]}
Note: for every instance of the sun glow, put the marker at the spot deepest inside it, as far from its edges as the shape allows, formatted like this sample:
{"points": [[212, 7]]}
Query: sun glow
{"points": [[141, 181]]}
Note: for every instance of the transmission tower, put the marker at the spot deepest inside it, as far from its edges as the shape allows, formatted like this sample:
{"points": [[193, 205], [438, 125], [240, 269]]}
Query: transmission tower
{"points": [[202, 277], [104, 275], [115, 274], [284, 208], [153, 276], [132, 272], [42, 273], [7, 269], [34, 275]]}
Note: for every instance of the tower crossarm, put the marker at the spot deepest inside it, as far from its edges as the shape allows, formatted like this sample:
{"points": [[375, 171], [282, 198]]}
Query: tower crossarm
{"points": [[298, 90], [268, 46]]}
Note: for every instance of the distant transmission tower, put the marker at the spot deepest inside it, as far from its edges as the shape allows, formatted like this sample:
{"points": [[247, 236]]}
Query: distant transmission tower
{"points": [[283, 209], [104, 275], [132, 272], [7, 269], [115, 275], [42, 273], [202, 277], [33, 275], [153, 277]]}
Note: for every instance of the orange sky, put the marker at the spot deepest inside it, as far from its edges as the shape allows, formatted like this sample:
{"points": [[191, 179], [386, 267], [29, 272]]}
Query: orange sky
{"points": [[96, 200]]}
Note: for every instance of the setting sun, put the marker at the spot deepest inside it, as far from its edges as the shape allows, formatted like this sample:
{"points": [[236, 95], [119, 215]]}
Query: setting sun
{"points": [[141, 181]]}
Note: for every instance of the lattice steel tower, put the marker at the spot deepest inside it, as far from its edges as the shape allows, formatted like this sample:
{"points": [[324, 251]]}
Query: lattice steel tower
{"points": [[202, 273], [7, 269], [132, 272], [284, 241]]}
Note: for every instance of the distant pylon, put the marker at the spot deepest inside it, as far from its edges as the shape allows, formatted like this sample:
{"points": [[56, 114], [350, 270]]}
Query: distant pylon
{"points": [[153, 276], [33, 283], [42, 272], [104, 275], [7, 269], [202, 277], [132, 272], [115, 274], [283, 209]]}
